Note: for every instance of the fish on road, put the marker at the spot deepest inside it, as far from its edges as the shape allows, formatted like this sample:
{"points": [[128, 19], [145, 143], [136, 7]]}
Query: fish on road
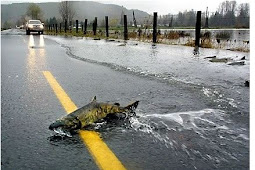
{"points": [[89, 114]]}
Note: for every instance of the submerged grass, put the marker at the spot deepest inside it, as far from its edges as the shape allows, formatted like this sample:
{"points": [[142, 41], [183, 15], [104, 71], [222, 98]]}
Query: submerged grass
{"points": [[241, 49], [168, 37], [223, 35]]}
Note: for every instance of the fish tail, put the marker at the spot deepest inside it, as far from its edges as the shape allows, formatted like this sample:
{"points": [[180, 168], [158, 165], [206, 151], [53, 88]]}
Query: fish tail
{"points": [[132, 106]]}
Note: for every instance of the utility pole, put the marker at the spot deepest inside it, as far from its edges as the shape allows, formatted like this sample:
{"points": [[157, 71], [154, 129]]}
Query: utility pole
{"points": [[171, 22], [206, 18], [134, 20]]}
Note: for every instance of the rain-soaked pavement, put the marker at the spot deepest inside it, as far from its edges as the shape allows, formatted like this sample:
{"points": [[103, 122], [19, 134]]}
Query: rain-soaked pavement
{"points": [[193, 114]]}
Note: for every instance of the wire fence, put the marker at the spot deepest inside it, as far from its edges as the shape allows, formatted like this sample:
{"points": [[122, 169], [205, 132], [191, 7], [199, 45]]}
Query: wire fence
{"points": [[151, 30]]}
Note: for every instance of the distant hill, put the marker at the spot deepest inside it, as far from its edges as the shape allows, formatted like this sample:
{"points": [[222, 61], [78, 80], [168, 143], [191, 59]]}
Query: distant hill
{"points": [[84, 9]]}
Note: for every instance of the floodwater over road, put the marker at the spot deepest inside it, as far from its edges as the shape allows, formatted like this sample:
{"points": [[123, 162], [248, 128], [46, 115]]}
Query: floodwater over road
{"points": [[215, 133], [193, 113]]}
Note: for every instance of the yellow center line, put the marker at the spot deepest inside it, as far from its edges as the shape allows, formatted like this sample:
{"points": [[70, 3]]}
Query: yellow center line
{"points": [[103, 156], [64, 99]]}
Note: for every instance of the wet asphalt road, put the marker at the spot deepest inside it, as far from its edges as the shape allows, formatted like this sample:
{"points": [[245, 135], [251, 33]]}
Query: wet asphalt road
{"points": [[29, 106]]}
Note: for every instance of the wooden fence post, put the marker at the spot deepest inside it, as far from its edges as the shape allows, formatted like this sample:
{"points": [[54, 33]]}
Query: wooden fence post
{"points": [[56, 27], [65, 25], [70, 26], [95, 26], [76, 26], [155, 27], [125, 28], [85, 26], [198, 28], [106, 27]]}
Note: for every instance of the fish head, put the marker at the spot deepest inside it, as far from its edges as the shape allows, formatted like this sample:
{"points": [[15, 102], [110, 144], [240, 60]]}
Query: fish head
{"points": [[67, 124]]}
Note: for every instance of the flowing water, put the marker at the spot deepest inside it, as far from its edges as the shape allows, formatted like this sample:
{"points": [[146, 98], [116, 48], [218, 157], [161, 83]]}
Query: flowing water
{"points": [[212, 131]]}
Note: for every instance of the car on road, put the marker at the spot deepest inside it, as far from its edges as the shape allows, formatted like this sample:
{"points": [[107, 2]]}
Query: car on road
{"points": [[34, 26], [79, 26]]}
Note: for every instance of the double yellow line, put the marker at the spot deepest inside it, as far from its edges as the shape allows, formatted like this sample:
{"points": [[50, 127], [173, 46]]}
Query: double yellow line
{"points": [[103, 156]]}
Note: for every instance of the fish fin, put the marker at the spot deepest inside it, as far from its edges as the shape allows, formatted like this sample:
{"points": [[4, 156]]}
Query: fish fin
{"points": [[94, 99], [117, 104], [132, 106]]}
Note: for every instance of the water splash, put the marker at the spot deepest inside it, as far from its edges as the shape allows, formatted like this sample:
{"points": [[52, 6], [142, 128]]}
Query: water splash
{"points": [[189, 134], [62, 132]]}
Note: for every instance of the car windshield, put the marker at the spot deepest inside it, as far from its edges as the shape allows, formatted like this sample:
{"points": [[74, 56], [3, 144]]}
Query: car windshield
{"points": [[34, 22]]}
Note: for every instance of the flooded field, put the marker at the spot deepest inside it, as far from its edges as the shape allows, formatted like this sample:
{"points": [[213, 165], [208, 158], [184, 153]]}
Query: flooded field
{"points": [[230, 39]]}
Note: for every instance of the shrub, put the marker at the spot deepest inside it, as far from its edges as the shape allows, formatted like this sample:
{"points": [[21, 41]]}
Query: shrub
{"points": [[223, 35]]}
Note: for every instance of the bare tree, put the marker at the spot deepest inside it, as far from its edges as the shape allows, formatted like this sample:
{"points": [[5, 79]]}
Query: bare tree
{"points": [[66, 11], [228, 10], [227, 6], [34, 11]]}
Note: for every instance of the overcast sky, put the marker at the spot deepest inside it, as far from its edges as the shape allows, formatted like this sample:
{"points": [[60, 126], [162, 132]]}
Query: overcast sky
{"points": [[150, 6]]}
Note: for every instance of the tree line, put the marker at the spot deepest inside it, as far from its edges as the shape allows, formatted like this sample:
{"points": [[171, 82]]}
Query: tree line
{"points": [[229, 14]]}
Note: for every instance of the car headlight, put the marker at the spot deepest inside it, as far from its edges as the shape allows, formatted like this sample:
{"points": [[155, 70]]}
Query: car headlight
{"points": [[30, 26], [41, 26]]}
